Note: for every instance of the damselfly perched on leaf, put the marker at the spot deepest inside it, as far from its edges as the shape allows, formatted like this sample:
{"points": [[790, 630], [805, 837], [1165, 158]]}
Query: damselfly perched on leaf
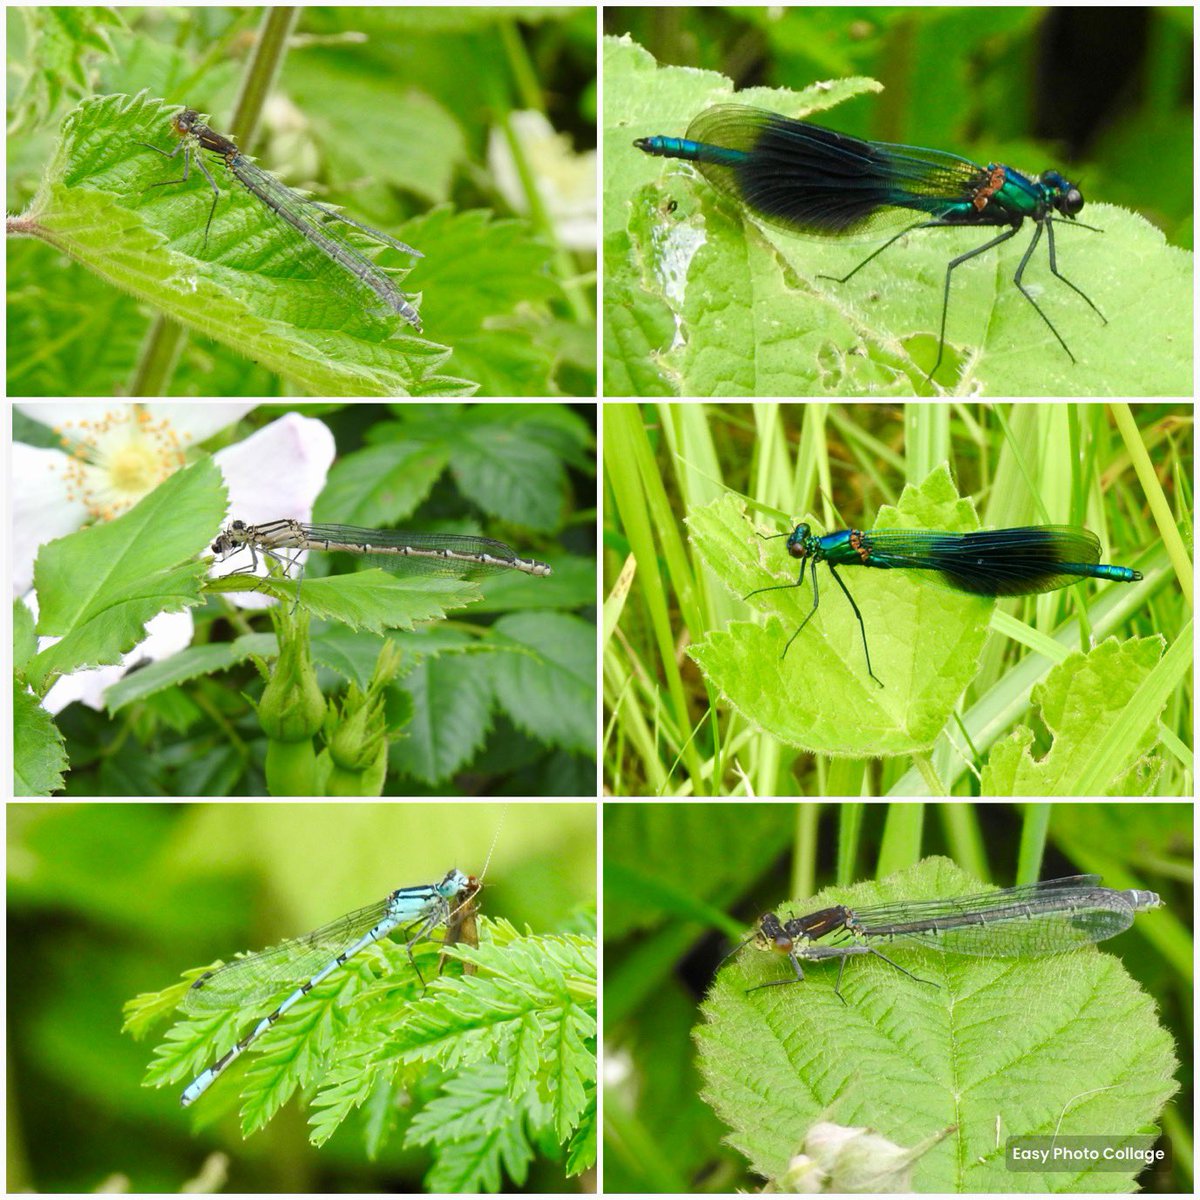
{"points": [[400, 553], [813, 181], [312, 223], [989, 562], [1053, 916], [418, 911]]}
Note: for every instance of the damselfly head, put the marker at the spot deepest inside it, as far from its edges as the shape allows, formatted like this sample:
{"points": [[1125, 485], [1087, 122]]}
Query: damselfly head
{"points": [[772, 935], [1063, 194], [184, 122], [227, 541], [454, 882], [797, 543]]}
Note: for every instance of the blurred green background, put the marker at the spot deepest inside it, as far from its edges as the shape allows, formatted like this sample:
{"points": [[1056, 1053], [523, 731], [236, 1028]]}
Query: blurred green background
{"points": [[1104, 94], [106, 901]]}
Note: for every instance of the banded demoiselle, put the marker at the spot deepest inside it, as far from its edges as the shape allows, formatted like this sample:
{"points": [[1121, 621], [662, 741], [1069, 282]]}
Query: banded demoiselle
{"points": [[990, 562], [813, 181]]}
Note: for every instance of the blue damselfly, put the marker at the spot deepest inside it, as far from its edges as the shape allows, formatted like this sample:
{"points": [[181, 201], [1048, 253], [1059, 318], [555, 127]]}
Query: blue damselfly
{"points": [[315, 956]]}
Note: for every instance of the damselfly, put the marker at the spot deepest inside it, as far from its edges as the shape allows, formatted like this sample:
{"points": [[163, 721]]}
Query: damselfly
{"points": [[390, 549], [814, 181], [1037, 919], [313, 957], [309, 220], [990, 562]]}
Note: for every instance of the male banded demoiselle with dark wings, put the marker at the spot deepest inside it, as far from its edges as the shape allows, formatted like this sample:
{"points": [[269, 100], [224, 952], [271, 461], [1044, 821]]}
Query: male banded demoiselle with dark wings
{"points": [[813, 181], [990, 562]]}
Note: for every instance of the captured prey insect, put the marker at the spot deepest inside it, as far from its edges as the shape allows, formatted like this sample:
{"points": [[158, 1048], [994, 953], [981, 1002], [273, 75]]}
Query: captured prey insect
{"points": [[1037, 919], [309, 221], [416, 911], [391, 550], [816, 182], [462, 925], [989, 562]]}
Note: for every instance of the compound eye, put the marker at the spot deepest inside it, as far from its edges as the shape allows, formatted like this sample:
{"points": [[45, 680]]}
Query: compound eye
{"points": [[1072, 202]]}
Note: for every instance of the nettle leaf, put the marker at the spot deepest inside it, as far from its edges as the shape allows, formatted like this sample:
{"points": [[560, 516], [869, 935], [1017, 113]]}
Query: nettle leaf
{"points": [[1066, 1045], [754, 316], [253, 285]]}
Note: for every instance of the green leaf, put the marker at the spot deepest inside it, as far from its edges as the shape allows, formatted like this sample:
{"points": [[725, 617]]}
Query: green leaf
{"points": [[523, 1029], [1085, 703], [581, 1150], [755, 317], [925, 640], [505, 471], [24, 635], [414, 143], [380, 485], [342, 1017], [314, 1030], [39, 754], [487, 284], [477, 1128], [549, 691], [187, 664], [254, 286], [531, 1009], [450, 720], [370, 599], [97, 588], [1062, 1045]]}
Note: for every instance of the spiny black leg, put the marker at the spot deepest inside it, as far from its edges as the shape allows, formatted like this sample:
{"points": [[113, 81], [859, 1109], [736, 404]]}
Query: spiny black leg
{"points": [[1037, 236], [811, 611], [876, 253], [861, 627], [1054, 270], [957, 262]]}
